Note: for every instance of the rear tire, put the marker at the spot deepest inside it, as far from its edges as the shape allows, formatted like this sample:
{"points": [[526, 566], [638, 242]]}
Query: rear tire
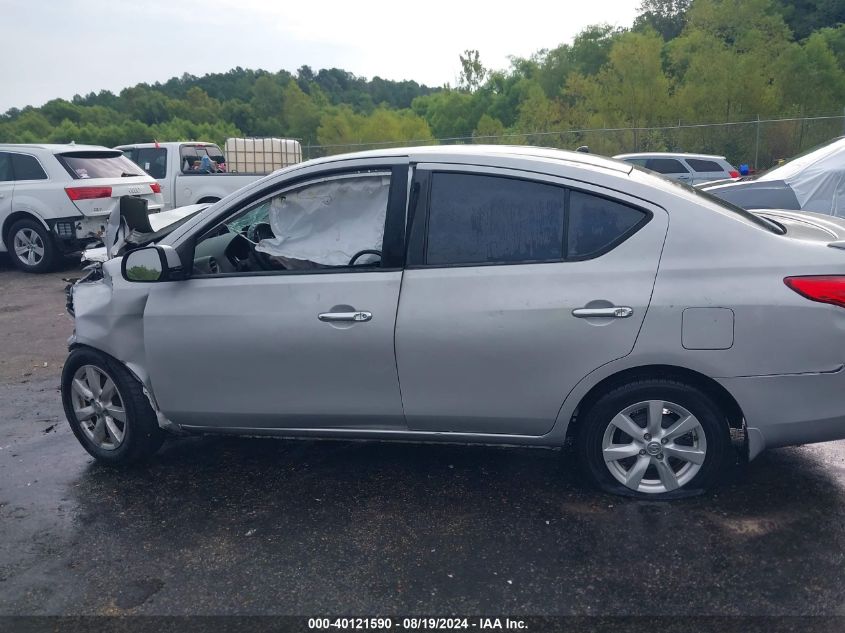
{"points": [[31, 247], [107, 410], [655, 439]]}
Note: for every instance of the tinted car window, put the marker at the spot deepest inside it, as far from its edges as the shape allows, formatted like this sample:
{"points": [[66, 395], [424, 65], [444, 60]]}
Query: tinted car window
{"points": [[475, 219], [666, 166], [595, 223], [153, 160], [5, 167], [699, 164], [84, 165], [27, 168]]}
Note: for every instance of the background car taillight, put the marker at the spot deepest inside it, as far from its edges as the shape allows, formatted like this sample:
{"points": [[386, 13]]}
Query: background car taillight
{"points": [[156, 188], [821, 288], [88, 193], [733, 173]]}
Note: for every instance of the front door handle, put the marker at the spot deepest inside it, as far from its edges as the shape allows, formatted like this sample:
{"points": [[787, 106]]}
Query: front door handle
{"points": [[615, 312], [358, 316]]}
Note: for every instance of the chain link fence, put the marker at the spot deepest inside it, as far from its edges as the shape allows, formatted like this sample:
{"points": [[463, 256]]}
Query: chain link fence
{"points": [[759, 143]]}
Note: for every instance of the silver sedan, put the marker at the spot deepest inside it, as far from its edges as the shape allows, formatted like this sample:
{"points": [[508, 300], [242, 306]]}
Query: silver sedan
{"points": [[470, 294]]}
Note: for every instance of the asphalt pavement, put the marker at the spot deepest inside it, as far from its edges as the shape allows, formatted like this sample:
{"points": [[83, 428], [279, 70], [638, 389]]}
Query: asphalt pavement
{"points": [[218, 525]]}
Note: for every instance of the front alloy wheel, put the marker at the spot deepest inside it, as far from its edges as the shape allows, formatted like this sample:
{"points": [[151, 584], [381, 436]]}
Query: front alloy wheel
{"points": [[98, 407], [107, 409]]}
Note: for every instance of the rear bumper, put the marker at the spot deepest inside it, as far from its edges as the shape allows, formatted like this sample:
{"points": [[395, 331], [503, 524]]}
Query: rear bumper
{"points": [[77, 232], [785, 410]]}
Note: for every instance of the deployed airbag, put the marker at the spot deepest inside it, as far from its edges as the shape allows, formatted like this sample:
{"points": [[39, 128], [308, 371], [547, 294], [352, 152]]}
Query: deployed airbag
{"points": [[328, 222]]}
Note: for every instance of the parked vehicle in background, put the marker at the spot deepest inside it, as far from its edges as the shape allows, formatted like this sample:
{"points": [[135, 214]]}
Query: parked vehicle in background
{"points": [[196, 172], [261, 155], [472, 294], [689, 168], [56, 199], [812, 181]]}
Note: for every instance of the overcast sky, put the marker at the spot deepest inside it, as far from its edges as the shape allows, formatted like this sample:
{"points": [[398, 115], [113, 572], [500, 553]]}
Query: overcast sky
{"points": [[58, 48]]}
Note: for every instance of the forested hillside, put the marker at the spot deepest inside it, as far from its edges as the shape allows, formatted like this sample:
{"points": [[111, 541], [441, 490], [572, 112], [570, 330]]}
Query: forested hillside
{"points": [[682, 62]]}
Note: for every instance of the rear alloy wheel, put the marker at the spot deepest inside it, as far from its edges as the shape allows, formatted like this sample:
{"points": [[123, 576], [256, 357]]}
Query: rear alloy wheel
{"points": [[31, 247], [654, 446], [655, 439]]}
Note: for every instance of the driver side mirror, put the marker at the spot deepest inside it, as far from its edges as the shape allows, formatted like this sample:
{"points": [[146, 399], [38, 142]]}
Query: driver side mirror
{"points": [[151, 263]]}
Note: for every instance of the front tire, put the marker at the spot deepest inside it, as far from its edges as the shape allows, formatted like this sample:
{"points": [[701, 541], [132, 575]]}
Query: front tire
{"points": [[107, 410], [655, 439], [31, 247]]}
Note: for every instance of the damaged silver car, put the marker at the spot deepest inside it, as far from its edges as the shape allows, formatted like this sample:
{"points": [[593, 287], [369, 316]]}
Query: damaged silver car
{"points": [[469, 294]]}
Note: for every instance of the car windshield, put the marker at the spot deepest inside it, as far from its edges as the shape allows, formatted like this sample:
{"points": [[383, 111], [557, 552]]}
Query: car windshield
{"points": [[83, 165]]}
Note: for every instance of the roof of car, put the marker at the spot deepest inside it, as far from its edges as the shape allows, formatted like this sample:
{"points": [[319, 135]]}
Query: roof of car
{"points": [[667, 155], [444, 153], [55, 148]]}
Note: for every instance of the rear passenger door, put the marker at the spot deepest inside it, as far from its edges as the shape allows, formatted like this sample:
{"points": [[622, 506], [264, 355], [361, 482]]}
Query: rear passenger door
{"points": [[671, 167], [515, 288]]}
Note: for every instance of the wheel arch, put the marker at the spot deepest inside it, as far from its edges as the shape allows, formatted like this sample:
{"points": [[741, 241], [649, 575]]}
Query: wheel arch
{"points": [[16, 216], [133, 368], [723, 398], [208, 199]]}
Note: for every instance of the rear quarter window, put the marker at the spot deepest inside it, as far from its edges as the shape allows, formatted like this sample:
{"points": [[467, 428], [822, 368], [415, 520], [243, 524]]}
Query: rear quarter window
{"points": [[27, 167], [6, 174], [596, 224]]}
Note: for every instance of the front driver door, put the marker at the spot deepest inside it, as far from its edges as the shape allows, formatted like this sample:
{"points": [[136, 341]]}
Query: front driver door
{"points": [[287, 335]]}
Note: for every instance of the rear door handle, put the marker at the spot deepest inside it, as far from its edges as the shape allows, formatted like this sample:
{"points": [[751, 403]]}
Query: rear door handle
{"points": [[358, 316], [616, 312]]}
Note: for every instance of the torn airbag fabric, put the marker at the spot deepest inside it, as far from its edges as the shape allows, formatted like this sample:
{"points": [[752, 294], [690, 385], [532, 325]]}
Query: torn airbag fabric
{"points": [[329, 222]]}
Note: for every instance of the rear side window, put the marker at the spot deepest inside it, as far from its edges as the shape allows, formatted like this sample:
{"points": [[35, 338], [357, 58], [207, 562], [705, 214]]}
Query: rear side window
{"points": [[699, 164], [666, 166], [27, 167], [5, 167], [596, 223], [475, 219], [153, 160], [84, 165], [487, 219]]}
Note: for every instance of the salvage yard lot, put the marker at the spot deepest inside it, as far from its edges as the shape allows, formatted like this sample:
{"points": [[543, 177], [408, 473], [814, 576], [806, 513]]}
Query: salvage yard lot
{"points": [[257, 526]]}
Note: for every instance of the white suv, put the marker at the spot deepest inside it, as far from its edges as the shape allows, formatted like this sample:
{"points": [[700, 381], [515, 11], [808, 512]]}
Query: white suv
{"points": [[693, 169], [56, 199]]}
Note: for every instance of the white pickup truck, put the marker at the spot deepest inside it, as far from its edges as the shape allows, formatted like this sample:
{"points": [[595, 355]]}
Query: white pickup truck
{"points": [[185, 178]]}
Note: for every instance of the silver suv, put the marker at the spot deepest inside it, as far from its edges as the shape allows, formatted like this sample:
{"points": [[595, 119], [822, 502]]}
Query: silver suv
{"points": [[692, 169], [471, 294], [56, 199]]}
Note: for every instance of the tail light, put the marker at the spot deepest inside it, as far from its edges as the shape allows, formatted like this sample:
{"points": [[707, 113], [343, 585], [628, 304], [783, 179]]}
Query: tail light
{"points": [[155, 187], [821, 288], [87, 193], [733, 173]]}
